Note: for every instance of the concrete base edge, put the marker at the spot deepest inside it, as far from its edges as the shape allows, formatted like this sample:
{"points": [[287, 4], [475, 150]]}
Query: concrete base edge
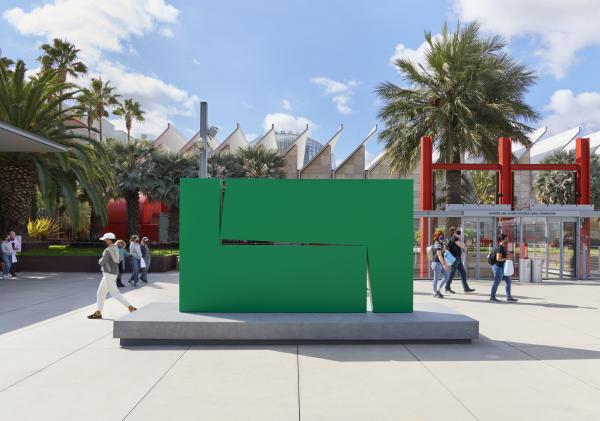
{"points": [[162, 323]]}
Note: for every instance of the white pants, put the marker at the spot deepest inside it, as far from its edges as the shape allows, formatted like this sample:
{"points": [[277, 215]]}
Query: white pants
{"points": [[109, 284]]}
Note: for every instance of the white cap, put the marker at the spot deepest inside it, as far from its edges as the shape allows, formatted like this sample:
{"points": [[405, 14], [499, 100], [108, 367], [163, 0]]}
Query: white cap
{"points": [[108, 236]]}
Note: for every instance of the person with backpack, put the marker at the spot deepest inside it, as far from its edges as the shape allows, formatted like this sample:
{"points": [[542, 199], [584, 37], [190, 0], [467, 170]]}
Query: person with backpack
{"points": [[456, 248], [497, 259], [438, 263]]}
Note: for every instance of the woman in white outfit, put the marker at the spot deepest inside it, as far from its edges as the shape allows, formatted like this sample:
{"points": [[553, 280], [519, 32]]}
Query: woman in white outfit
{"points": [[109, 264]]}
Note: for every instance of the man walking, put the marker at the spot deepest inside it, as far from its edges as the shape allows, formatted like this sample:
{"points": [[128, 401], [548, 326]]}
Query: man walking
{"points": [[456, 248], [109, 264], [16, 247]]}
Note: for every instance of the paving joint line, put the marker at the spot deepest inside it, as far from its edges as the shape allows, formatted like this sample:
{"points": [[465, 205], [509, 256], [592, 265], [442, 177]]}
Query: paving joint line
{"points": [[298, 378], [441, 382], [156, 383], [54, 362]]}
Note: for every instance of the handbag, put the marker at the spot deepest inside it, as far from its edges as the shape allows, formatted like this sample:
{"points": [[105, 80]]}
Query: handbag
{"points": [[449, 258], [509, 268], [142, 263]]}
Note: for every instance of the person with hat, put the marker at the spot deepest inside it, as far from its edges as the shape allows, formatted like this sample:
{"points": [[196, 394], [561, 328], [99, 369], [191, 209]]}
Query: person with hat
{"points": [[109, 265]]}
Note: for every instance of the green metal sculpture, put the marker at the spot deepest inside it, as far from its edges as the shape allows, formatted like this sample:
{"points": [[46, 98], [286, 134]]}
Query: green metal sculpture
{"points": [[290, 246]]}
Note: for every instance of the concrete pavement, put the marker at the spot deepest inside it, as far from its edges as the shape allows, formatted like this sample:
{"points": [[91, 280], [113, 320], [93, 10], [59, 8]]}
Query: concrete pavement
{"points": [[537, 359]]}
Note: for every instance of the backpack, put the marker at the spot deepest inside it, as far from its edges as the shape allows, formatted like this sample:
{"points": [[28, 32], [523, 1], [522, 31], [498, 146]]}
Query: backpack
{"points": [[430, 253], [492, 258]]}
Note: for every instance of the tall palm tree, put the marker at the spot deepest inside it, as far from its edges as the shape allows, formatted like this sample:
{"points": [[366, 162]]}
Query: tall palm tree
{"points": [[133, 165], [32, 104], [87, 109], [260, 163], [170, 169], [467, 93], [101, 96], [62, 56], [130, 110]]}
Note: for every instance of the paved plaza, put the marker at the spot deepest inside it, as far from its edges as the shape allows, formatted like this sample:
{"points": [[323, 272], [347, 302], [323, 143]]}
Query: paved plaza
{"points": [[538, 359]]}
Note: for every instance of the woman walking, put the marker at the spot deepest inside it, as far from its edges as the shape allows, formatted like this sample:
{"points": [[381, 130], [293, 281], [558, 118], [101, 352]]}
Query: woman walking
{"points": [[438, 263], [136, 256], [122, 256], [7, 252], [109, 264], [498, 269]]}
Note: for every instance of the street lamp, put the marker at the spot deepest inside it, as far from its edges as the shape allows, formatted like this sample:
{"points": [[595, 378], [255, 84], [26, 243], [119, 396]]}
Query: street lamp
{"points": [[203, 144]]}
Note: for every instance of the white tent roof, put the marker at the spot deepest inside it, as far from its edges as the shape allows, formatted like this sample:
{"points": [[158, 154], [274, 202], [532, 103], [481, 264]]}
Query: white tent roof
{"points": [[594, 143], [518, 149], [546, 146], [170, 139], [269, 140], [13, 139], [236, 140], [361, 144]]}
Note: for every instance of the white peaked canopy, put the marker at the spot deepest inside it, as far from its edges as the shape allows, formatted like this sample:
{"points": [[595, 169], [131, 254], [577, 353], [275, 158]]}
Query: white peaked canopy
{"points": [[546, 146], [328, 147], [13, 139], [213, 143], [170, 139], [233, 142], [300, 143], [268, 141], [363, 143], [518, 149], [594, 143]]}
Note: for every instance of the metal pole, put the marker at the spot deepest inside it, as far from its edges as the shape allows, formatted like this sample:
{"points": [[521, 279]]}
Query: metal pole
{"points": [[202, 173]]}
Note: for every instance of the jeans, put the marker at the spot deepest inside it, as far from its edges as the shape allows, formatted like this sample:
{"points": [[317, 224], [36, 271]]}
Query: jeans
{"points": [[144, 275], [7, 260], [498, 276], [108, 284], [135, 270], [458, 265], [438, 270]]}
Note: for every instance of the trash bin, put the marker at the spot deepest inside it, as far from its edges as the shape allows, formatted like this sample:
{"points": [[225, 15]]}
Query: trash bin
{"points": [[536, 270], [524, 270]]}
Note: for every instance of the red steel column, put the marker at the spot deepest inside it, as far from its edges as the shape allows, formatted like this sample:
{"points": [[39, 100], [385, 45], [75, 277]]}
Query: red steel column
{"points": [[582, 159], [505, 161], [426, 199]]}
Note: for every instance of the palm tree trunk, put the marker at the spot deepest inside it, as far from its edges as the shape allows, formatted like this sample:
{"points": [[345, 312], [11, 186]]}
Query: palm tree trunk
{"points": [[100, 129], [453, 188], [17, 187], [173, 232], [133, 213]]}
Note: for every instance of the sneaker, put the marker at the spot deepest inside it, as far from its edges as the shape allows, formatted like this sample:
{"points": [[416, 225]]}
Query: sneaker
{"points": [[96, 315], [494, 299], [470, 290], [438, 295], [448, 290], [120, 285], [512, 300]]}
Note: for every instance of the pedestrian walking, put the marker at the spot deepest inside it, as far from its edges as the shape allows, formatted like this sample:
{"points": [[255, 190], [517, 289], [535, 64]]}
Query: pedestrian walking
{"points": [[438, 263], [109, 265], [136, 256], [456, 247], [145, 266], [7, 253], [15, 241], [497, 259], [123, 254]]}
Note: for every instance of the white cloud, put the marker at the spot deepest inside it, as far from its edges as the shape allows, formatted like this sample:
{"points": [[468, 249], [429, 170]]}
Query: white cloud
{"points": [[196, 61], [567, 110], [416, 56], [97, 28], [559, 28], [340, 92], [286, 104], [288, 122], [166, 32]]}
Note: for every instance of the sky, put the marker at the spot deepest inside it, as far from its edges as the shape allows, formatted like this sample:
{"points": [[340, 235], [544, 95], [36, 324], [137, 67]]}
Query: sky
{"points": [[297, 62]]}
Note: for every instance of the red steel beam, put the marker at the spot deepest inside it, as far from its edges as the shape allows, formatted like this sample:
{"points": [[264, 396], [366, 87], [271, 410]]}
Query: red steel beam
{"points": [[466, 167], [426, 199], [505, 162], [545, 167]]}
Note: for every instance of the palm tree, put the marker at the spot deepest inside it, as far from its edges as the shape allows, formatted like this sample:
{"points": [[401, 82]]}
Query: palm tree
{"points": [[134, 165], [62, 56], [130, 110], [101, 96], [87, 109], [558, 187], [171, 168], [224, 165], [32, 104], [466, 94], [260, 163]]}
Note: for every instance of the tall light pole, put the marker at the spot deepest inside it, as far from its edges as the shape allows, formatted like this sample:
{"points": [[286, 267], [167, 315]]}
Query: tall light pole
{"points": [[202, 150]]}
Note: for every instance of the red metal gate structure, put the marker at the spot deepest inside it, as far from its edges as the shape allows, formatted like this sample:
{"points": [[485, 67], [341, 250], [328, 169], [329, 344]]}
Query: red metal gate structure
{"points": [[504, 167]]}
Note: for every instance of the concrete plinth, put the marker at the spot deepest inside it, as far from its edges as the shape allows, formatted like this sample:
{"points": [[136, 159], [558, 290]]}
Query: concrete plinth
{"points": [[162, 323]]}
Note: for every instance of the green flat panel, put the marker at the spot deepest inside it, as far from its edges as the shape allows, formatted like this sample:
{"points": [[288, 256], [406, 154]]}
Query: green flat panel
{"points": [[354, 217]]}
